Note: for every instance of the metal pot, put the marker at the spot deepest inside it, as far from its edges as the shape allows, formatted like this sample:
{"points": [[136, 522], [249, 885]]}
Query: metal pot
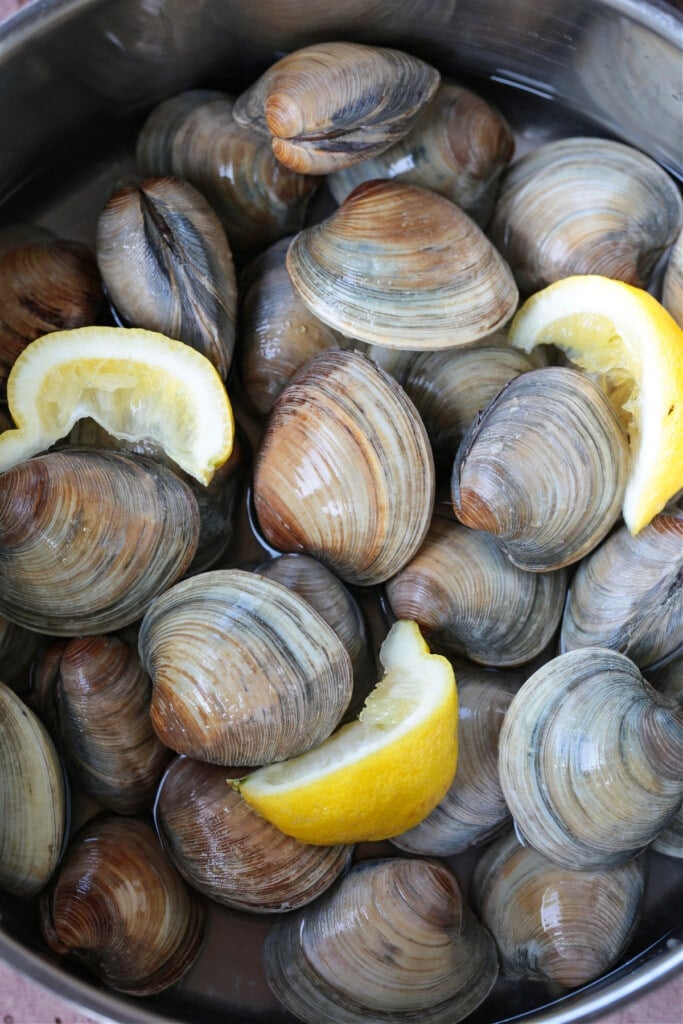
{"points": [[76, 79]]}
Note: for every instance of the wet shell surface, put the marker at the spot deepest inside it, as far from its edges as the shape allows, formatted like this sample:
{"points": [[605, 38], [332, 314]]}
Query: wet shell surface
{"points": [[167, 266], [401, 266], [32, 799], [469, 599], [551, 923], [244, 671], [392, 943], [590, 760], [458, 147], [119, 906], [628, 594], [585, 206], [227, 851], [474, 808], [88, 538], [543, 469], [345, 472], [331, 105]]}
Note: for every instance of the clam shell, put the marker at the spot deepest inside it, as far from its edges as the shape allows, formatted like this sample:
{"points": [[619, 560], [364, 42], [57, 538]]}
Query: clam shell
{"points": [[590, 760], [669, 680], [88, 538], [627, 594], [392, 943], [551, 923], [585, 206], [244, 671], [672, 285], [344, 471], [401, 266], [543, 469], [32, 799], [333, 104], [228, 852], [119, 906], [471, 600]]}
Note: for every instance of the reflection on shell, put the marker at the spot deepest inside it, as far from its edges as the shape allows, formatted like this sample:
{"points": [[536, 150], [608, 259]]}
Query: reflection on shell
{"points": [[393, 942], [228, 852], [551, 923], [401, 266], [331, 105]]}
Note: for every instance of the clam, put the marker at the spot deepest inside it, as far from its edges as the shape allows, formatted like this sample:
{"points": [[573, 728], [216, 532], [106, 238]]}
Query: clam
{"points": [[551, 923], [103, 698], [401, 266], [119, 906], [543, 469], [469, 599], [278, 332], [331, 105], [228, 852], [458, 147], [194, 136], [627, 594], [48, 283], [474, 808], [32, 799], [244, 671], [88, 538], [585, 206], [672, 285], [590, 759], [167, 265], [669, 680], [392, 942], [344, 471]]}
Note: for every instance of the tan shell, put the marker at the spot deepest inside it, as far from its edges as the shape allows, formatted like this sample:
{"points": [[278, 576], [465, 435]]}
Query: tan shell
{"points": [[32, 799], [392, 943], [551, 923], [228, 852], [331, 105], [244, 671], [344, 471], [401, 266], [118, 906], [88, 538]]}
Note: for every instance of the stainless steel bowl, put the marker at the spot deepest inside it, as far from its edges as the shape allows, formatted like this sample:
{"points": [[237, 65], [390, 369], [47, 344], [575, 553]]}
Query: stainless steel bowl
{"points": [[76, 79]]}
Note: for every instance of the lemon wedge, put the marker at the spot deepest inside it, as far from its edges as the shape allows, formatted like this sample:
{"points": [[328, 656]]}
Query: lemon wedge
{"points": [[136, 384], [382, 773], [625, 339]]}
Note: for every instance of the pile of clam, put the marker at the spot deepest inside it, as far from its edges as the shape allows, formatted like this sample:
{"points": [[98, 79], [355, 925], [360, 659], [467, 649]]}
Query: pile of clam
{"points": [[396, 459]]}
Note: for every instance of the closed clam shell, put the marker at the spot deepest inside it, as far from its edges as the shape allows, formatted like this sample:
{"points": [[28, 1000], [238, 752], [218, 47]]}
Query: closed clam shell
{"points": [[227, 851], [278, 332], [469, 599], [474, 808], [344, 471], [627, 594], [331, 105], [585, 206], [543, 469], [393, 942], [551, 923], [244, 671], [590, 759], [89, 537], [103, 699], [401, 266], [194, 136], [32, 799], [669, 680], [458, 147], [672, 285], [120, 907], [167, 265]]}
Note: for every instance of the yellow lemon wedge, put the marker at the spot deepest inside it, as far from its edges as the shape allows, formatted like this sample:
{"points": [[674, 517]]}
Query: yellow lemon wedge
{"points": [[136, 384], [384, 772], [625, 339]]}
